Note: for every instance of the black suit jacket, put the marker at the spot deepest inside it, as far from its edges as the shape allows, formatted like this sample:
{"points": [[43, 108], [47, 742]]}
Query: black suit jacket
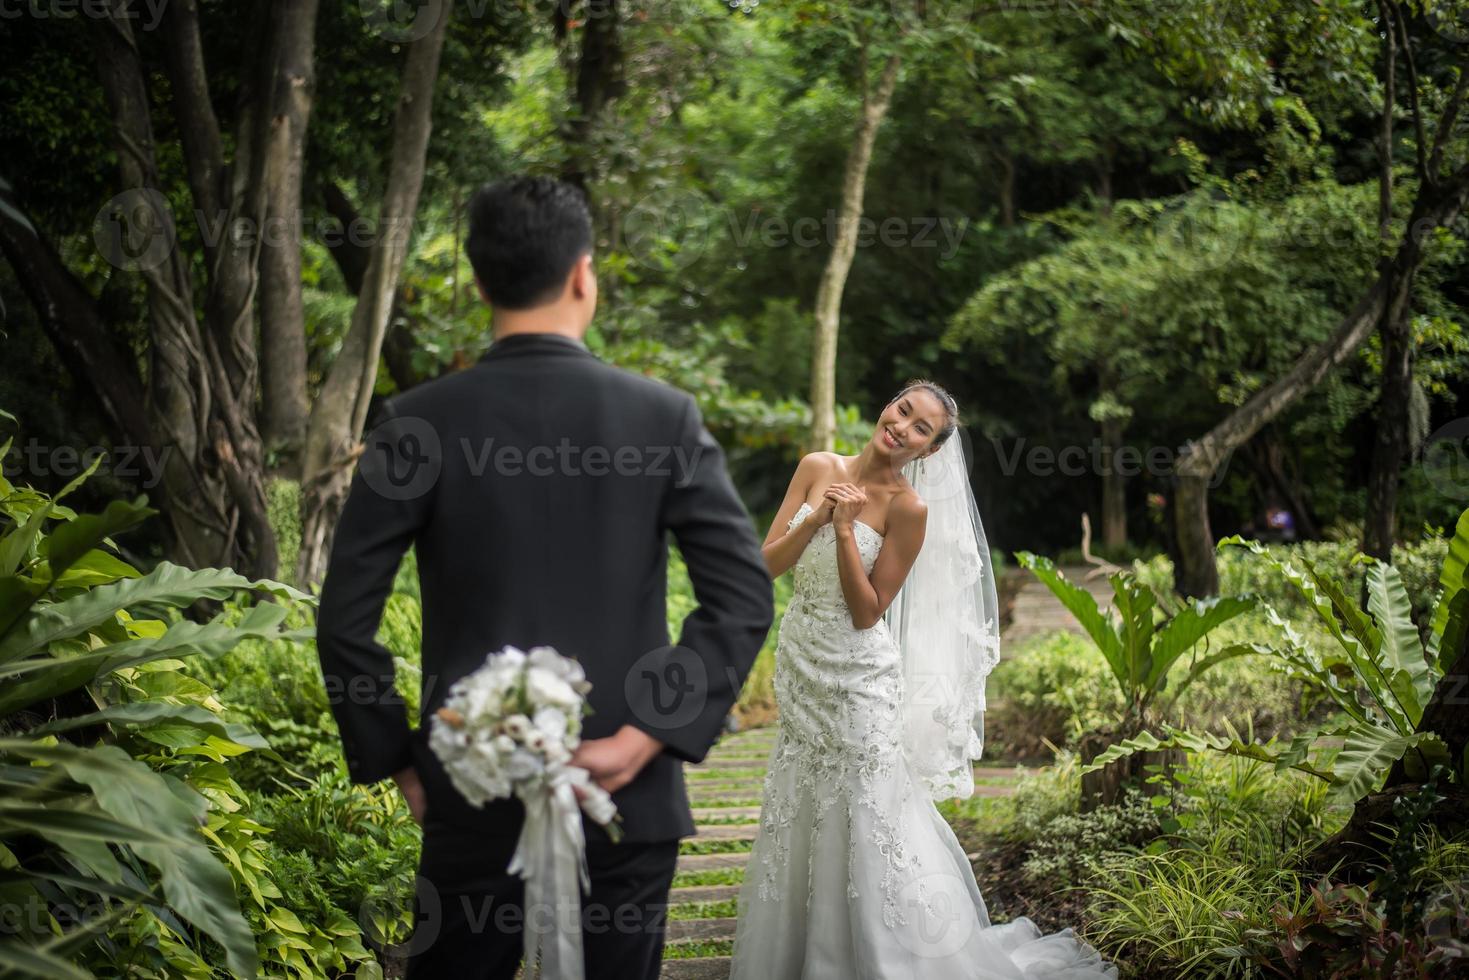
{"points": [[539, 487]]}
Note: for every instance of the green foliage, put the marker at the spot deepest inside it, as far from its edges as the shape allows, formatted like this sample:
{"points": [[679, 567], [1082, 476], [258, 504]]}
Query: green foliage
{"points": [[1057, 687], [104, 736], [1379, 675], [1072, 847], [1140, 650]]}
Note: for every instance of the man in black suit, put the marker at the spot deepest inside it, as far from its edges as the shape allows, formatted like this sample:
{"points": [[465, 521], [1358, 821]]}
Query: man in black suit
{"points": [[538, 488]]}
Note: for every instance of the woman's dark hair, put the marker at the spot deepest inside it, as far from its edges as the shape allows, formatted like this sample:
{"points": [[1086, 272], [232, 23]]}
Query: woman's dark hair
{"points": [[951, 407], [525, 235]]}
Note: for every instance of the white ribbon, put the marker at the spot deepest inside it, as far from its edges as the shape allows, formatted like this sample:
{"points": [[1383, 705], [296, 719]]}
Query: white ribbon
{"points": [[551, 856]]}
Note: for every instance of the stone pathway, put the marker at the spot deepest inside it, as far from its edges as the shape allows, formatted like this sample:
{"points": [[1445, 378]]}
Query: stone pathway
{"points": [[725, 791], [1037, 610]]}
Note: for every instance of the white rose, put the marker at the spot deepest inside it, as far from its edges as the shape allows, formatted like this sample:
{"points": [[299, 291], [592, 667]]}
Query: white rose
{"points": [[545, 688], [551, 721], [517, 726], [504, 744], [523, 764]]}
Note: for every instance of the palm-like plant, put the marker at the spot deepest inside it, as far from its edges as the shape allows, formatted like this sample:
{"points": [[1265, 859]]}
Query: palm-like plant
{"points": [[1378, 671], [1145, 648], [84, 642]]}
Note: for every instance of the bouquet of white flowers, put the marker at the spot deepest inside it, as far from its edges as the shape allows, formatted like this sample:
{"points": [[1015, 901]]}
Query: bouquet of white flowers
{"points": [[510, 727]]}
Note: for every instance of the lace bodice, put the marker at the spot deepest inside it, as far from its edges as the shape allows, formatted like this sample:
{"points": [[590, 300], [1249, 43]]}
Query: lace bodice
{"points": [[815, 576]]}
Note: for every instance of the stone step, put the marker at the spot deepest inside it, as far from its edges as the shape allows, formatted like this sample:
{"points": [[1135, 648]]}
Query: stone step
{"points": [[703, 893], [700, 930], [712, 862], [725, 832], [696, 968], [727, 791], [726, 812]]}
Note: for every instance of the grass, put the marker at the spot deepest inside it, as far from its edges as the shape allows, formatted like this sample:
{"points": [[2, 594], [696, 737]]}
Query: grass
{"points": [[713, 775], [727, 909], [711, 876], [695, 846], [691, 950]]}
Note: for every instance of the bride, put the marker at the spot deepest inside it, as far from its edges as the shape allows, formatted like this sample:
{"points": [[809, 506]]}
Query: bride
{"points": [[879, 677]]}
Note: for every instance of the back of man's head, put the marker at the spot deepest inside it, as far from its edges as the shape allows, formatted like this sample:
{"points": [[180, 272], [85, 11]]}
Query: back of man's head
{"points": [[525, 236]]}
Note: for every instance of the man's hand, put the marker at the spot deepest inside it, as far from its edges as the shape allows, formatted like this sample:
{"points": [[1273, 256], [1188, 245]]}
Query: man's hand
{"points": [[615, 761], [412, 789]]}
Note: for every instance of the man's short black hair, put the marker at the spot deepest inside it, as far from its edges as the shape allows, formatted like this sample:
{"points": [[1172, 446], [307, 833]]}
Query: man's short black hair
{"points": [[525, 235]]}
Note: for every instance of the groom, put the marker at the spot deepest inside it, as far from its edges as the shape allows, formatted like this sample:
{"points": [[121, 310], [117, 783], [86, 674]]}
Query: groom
{"points": [[538, 488]]}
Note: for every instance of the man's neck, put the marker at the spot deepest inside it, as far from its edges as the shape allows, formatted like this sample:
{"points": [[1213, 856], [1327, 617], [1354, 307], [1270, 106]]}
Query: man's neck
{"points": [[561, 324]]}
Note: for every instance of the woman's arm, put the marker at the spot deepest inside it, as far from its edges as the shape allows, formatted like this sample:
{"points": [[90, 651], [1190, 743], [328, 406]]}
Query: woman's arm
{"points": [[782, 547], [868, 597]]}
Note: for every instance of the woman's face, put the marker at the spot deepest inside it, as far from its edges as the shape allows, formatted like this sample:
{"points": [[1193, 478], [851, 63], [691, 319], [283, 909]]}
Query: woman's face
{"points": [[907, 426]]}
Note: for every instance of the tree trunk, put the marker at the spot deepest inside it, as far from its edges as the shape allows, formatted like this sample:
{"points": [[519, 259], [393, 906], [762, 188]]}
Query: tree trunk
{"points": [[340, 410], [599, 82], [1114, 486], [283, 402], [834, 278], [230, 195], [1437, 204], [352, 258], [179, 398], [1388, 448]]}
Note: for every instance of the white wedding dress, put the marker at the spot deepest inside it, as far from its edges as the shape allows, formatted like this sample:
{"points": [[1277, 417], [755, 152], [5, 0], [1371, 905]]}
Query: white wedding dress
{"points": [[854, 875]]}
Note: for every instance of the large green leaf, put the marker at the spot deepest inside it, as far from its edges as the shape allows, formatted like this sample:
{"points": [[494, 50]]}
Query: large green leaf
{"points": [[40, 678], [1359, 639], [145, 714], [1179, 634], [18, 959], [195, 884], [1134, 605], [1451, 615], [168, 584], [1292, 757], [1402, 652], [1080, 603], [62, 547], [1368, 754]]}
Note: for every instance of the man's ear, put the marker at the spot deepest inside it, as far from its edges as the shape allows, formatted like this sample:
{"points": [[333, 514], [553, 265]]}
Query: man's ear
{"points": [[583, 277], [482, 294]]}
